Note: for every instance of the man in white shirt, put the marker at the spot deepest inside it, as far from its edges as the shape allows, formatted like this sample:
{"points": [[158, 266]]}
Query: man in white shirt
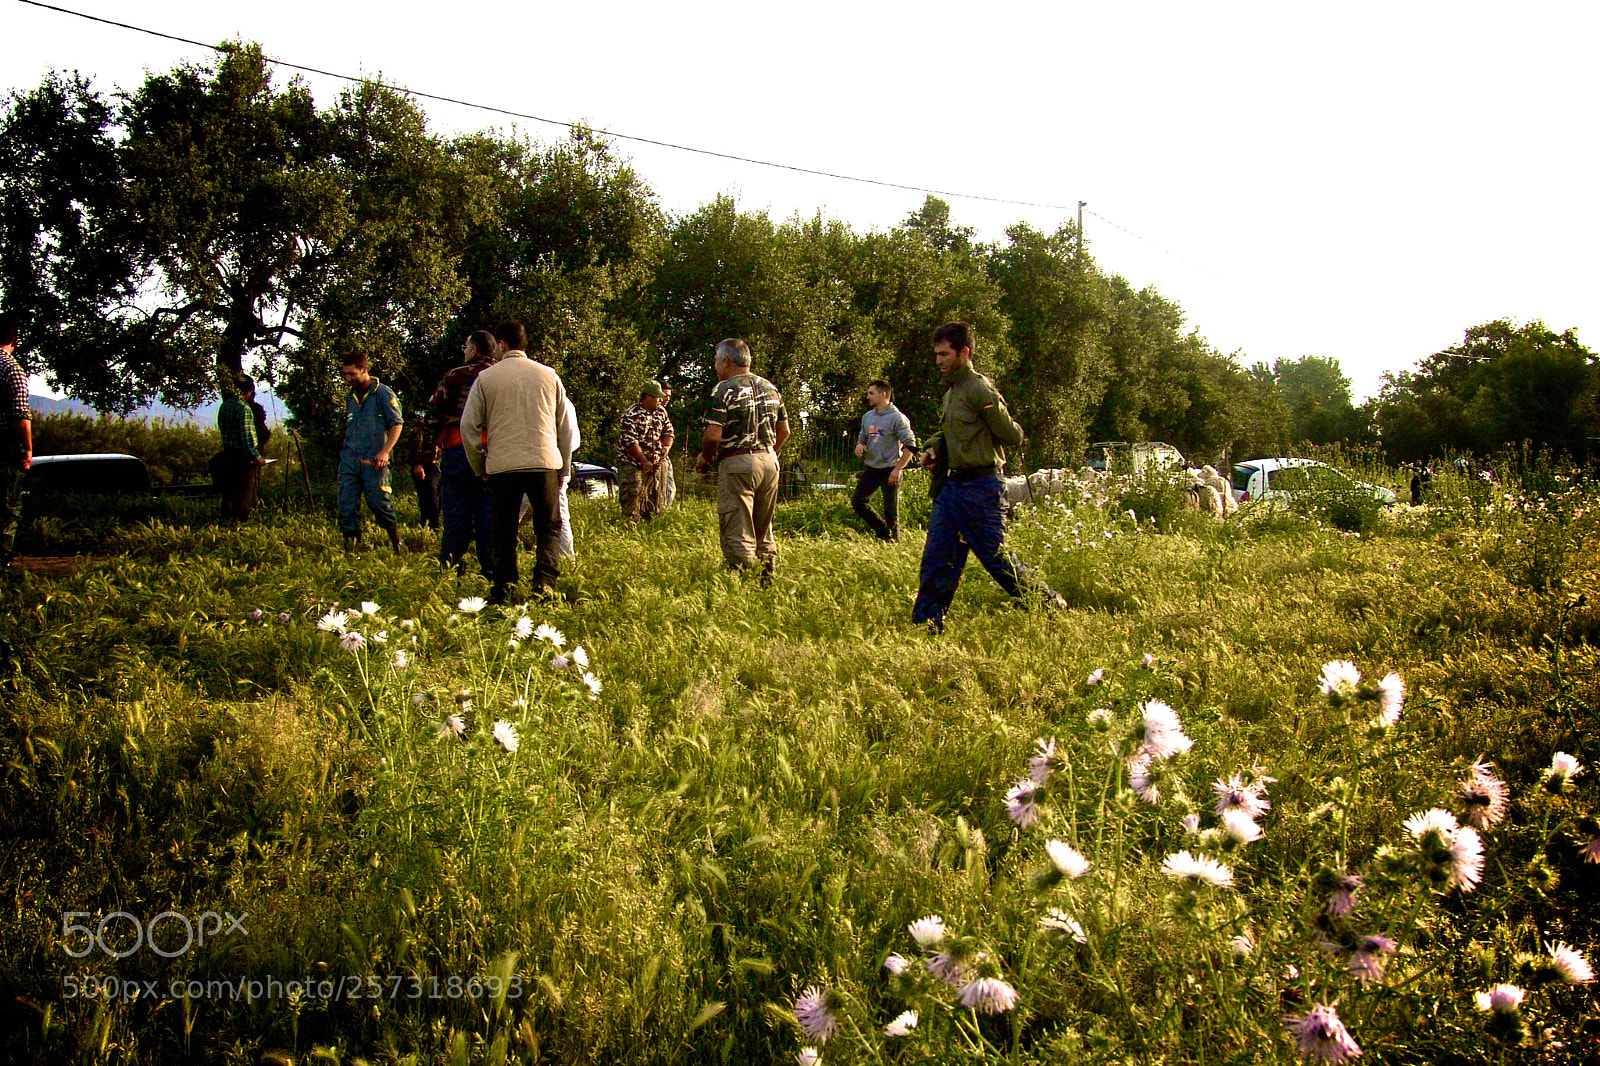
{"points": [[519, 408]]}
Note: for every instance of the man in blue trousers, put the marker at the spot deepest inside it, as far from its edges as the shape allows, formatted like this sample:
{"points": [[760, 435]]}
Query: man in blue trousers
{"points": [[371, 430], [968, 514]]}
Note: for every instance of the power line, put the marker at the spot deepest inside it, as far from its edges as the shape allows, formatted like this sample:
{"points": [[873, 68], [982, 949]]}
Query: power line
{"points": [[1153, 244]]}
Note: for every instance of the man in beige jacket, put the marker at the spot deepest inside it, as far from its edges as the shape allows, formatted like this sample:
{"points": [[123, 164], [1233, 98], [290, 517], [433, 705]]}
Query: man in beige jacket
{"points": [[515, 431]]}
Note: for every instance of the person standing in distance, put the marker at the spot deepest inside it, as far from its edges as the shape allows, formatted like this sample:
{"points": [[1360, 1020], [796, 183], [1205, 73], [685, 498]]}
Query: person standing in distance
{"points": [[643, 442], [887, 445], [464, 504], [16, 440], [968, 510], [745, 429], [515, 429], [237, 469], [372, 425], [669, 481]]}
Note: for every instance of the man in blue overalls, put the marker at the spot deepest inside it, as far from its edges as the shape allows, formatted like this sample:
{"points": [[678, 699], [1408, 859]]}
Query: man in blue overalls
{"points": [[372, 427]]}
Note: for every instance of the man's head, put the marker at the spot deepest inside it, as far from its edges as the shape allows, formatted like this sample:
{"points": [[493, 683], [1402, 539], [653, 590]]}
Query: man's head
{"points": [[354, 368], [247, 387], [652, 396], [666, 394], [8, 333], [733, 357], [952, 347], [479, 345], [879, 392], [510, 337]]}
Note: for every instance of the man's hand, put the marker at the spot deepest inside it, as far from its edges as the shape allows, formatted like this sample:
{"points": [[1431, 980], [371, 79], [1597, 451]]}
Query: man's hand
{"points": [[27, 460], [701, 464], [930, 456], [419, 472], [894, 476], [380, 461], [861, 449]]}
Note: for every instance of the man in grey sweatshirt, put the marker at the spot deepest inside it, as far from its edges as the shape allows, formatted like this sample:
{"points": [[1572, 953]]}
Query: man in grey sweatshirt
{"points": [[887, 444]]}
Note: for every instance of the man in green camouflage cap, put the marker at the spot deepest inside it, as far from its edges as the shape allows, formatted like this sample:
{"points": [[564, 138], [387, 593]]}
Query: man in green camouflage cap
{"points": [[642, 446], [745, 429]]}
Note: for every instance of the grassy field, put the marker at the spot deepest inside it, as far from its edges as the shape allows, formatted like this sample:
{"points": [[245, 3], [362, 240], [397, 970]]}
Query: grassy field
{"points": [[445, 845]]}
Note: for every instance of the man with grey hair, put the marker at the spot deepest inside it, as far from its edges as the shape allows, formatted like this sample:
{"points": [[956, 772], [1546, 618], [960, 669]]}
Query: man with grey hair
{"points": [[745, 429]]}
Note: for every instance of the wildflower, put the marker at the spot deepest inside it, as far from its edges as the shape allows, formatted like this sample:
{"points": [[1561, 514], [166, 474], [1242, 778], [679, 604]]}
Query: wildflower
{"points": [[1045, 761], [1234, 794], [1322, 1036], [1066, 858], [1022, 802], [1466, 859], [817, 1012], [284, 619], [1142, 778], [506, 734], [560, 662], [464, 700], [334, 621], [1099, 719], [523, 629], [1343, 898], [551, 634], [1484, 796], [1241, 946], [1095, 677], [368, 607], [453, 726], [418, 699], [989, 995], [809, 1056], [896, 964], [1563, 768], [593, 683], [1590, 852], [1239, 826], [1391, 698], [472, 604], [400, 659], [902, 1025], [255, 616], [1061, 922], [380, 637], [1502, 999], [1149, 660], [1191, 824], [1198, 869], [960, 955], [1431, 826], [1570, 964], [1163, 734], [580, 657], [1339, 679], [352, 641], [1366, 962], [928, 931]]}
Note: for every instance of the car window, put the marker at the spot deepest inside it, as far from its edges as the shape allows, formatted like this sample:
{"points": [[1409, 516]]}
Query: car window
{"points": [[1241, 477]]}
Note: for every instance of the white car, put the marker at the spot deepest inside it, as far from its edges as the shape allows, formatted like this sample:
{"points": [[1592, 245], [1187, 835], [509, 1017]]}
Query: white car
{"points": [[1261, 479]]}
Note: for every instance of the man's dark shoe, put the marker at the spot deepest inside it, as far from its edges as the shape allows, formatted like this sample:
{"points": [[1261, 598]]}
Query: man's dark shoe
{"points": [[394, 540]]}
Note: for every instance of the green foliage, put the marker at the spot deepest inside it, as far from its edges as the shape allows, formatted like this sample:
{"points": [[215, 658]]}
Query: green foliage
{"points": [[176, 453], [1317, 396]]}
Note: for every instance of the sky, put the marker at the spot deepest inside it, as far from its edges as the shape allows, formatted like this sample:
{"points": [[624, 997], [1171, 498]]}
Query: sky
{"points": [[1361, 181]]}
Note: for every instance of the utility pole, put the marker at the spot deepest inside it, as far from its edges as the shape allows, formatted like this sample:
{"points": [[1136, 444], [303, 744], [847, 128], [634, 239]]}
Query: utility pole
{"points": [[1080, 228]]}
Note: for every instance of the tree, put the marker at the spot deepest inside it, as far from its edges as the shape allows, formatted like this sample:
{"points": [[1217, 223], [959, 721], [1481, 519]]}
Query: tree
{"points": [[1317, 396], [218, 218]]}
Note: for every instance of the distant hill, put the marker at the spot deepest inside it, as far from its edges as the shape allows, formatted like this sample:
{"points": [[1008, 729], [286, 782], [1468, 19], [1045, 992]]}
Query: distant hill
{"points": [[205, 415]]}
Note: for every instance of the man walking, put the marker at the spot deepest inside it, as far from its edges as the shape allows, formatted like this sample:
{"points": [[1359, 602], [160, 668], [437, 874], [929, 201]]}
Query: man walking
{"points": [[968, 511], [16, 440], [372, 426], [464, 502], [887, 445], [237, 469], [642, 445], [422, 451], [745, 429], [517, 412]]}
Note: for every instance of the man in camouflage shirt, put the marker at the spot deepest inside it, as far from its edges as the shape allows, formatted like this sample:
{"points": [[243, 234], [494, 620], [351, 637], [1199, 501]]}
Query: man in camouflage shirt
{"points": [[745, 429], [642, 446], [464, 501]]}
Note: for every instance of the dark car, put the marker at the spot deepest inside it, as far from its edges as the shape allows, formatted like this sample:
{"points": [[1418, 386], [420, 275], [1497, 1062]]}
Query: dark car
{"points": [[104, 474], [592, 479]]}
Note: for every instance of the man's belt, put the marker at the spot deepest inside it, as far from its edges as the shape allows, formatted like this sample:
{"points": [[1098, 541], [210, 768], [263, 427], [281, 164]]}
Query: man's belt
{"points": [[969, 473], [740, 451]]}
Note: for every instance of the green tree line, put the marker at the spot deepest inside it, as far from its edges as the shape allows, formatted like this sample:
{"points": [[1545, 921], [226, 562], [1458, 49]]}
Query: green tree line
{"points": [[213, 219]]}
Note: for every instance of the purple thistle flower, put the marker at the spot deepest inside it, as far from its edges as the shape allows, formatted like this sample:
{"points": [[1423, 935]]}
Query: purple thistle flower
{"points": [[1343, 898], [284, 619], [988, 995], [1235, 794], [1484, 796], [817, 1012], [1366, 963], [1022, 802], [1322, 1036]]}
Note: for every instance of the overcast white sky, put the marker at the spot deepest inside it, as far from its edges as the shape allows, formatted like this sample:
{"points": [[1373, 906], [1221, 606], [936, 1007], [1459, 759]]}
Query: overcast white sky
{"points": [[1362, 181]]}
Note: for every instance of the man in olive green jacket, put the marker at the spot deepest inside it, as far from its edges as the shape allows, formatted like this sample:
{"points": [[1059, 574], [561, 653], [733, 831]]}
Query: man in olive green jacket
{"points": [[968, 511]]}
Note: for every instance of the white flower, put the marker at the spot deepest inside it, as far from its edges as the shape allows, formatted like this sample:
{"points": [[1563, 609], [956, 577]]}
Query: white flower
{"points": [[1502, 999], [1099, 719], [1569, 961], [1391, 699], [472, 604], [580, 657], [380, 637], [1340, 678], [400, 659], [352, 641], [1433, 825], [551, 634], [1234, 793], [809, 1056], [1563, 768], [1066, 858], [1241, 946], [1149, 660], [928, 931], [896, 964], [989, 995], [1484, 796], [523, 629], [1141, 778], [1061, 922], [334, 621], [1184, 866], [453, 726], [1096, 677], [1022, 802], [1466, 859], [1239, 826], [368, 607], [506, 734], [1163, 734], [902, 1025], [594, 685], [1191, 824]]}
